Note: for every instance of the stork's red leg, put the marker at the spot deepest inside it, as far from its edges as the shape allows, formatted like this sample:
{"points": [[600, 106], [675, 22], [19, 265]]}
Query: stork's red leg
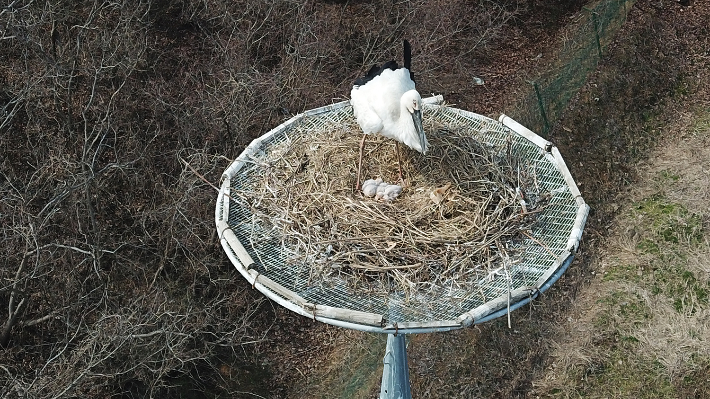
{"points": [[399, 160], [359, 164]]}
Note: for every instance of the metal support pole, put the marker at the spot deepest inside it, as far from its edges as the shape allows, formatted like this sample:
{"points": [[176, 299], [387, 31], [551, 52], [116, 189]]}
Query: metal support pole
{"points": [[395, 376]]}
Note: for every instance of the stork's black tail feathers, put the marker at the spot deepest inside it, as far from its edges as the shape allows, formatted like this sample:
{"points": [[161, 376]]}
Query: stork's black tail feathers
{"points": [[407, 55], [408, 58], [377, 70]]}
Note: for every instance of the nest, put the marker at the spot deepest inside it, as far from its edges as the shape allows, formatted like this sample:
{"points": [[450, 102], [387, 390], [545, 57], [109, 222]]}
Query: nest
{"points": [[464, 213]]}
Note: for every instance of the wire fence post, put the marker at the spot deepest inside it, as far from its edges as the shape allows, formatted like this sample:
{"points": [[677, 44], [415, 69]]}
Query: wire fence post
{"points": [[595, 22], [576, 61], [541, 105]]}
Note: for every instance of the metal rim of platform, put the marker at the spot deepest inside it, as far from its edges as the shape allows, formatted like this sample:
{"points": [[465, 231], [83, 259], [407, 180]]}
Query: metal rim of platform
{"points": [[243, 259]]}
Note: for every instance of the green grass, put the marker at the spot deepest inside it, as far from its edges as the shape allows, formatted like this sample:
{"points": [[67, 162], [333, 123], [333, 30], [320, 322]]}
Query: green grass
{"points": [[702, 123], [622, 308], [648, 246], [617, 371], [623, 373], [624, 272], [669, 222], [667, 231], [669, 175]]}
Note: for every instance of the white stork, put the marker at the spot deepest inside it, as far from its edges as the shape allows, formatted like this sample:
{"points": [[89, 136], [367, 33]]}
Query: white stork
{"points": [[385, 102]]}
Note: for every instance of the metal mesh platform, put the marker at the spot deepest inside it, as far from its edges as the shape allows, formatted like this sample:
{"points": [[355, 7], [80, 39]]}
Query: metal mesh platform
{"points": [[260, 256]]}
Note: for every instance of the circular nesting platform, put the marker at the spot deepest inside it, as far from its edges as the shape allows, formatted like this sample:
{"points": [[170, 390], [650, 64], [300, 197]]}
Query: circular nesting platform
{"points": [[488, 219]]}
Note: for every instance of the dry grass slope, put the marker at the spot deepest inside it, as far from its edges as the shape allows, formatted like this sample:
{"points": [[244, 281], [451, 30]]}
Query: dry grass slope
{"points": [[642, 325]]}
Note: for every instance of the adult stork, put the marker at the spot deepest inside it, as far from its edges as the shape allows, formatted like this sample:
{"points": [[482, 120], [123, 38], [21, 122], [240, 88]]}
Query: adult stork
{"points": [[386, 102]]}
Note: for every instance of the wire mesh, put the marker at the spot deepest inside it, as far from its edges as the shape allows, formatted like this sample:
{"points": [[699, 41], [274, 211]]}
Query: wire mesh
{"points": [[553, 88], [543, 252]]}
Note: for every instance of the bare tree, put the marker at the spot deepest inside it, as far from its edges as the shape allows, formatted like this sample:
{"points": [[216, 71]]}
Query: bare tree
{"points": [[110, 284]]}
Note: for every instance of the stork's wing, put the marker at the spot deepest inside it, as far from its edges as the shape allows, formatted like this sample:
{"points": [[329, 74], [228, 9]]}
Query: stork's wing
{"points": [[366, 115], [376, 104]]}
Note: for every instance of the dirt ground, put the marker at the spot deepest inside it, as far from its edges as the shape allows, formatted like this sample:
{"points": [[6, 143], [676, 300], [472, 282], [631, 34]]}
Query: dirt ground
{"points": [[630, 317]]}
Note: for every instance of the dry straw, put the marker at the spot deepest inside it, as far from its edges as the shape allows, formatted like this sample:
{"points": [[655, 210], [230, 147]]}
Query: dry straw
{"points": [[463, 214]]}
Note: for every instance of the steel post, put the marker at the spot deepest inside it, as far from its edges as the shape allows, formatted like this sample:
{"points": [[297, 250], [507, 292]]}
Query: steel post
{"points": [[395, 376]]}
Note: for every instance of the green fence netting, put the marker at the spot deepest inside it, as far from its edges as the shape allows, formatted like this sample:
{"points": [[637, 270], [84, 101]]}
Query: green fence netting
{"points": [[580, 52]]}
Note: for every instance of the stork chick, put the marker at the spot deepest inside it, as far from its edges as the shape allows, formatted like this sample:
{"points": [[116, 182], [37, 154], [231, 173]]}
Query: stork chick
{"points": [[381, 190]]}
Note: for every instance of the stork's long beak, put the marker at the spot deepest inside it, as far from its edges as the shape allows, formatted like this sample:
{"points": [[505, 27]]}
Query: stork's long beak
{"points": [[417, 118]]}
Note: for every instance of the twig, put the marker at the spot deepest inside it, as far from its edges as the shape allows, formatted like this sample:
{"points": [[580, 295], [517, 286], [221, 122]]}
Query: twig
{"points": [[539, 242]]}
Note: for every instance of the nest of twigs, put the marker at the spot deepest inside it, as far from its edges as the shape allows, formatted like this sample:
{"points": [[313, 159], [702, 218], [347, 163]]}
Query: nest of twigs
{"points": [[464, 213]]}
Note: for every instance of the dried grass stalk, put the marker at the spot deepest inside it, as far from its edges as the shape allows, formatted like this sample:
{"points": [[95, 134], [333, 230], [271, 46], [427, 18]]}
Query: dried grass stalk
{"points": [[459, 217]]}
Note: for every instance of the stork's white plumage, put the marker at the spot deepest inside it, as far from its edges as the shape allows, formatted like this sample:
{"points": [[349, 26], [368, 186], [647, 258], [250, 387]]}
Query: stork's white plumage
{"points": [[386, 102]]}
